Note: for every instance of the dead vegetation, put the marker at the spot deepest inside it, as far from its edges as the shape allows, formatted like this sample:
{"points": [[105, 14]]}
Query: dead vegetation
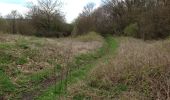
{"points": [[139, 71], [38, 51], [25, 59]]}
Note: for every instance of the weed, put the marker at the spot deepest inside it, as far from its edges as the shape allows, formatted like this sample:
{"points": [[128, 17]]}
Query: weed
{"points": [[120, 88], [6, 86], [22, 43], [21, 60], [79, 97], [5, 58], [5, 46]]}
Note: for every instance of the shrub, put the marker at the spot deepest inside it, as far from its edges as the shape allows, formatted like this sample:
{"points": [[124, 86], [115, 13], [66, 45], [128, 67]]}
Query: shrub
{"points": [[91, 36], [131, 30]]}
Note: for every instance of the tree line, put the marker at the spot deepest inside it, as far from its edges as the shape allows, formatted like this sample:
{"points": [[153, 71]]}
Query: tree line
{"points": [[146, 19], [43, 19]]}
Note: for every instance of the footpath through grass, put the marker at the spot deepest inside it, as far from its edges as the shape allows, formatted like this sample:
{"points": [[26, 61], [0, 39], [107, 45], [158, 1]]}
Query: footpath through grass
{"points": [[31, 64], [81, 68]]}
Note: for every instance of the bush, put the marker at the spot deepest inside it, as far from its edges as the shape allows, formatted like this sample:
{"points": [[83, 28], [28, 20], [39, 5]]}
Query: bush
{"points": [[91, 36], [131, 30], [3, 25]]}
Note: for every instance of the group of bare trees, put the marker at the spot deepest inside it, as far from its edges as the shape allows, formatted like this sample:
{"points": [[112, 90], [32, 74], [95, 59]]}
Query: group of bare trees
{"points": [[47, 18], [84, 22], [146, 19], [43, 19]]}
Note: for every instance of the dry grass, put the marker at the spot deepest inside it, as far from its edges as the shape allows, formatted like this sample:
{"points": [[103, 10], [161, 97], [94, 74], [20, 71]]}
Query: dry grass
{"points": [[40, 52], [139, 71], [24, 56], [91, 36]]}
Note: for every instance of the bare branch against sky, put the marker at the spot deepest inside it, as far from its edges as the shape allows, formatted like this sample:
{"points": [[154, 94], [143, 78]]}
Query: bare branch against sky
{"points": [[71, 8]]}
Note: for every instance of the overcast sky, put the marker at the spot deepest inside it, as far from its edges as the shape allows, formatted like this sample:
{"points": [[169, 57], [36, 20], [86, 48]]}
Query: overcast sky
{"points": [[71, 8]]}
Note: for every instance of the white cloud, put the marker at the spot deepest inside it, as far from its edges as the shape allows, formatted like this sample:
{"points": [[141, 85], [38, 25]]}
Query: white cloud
{"points": [[6, 8], [34, 1], [72, 8]]}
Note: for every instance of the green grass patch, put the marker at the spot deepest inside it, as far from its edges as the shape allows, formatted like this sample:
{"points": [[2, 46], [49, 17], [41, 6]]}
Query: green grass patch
{"points": [[6, 86], [35, 78], [40, 76], [55, 91], [31, 82], [112, 43], [5, 58], [21, 60], [22, 43], [120, 88], [6, 46]]}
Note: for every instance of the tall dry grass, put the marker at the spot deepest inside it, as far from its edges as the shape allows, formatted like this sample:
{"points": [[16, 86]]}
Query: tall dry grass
{"points": [[139, 71]]}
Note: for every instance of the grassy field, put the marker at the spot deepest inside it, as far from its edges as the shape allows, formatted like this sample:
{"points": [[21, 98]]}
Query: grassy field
{"points": [[139, 70], [30, 64], [60, 90], [87, 67]]}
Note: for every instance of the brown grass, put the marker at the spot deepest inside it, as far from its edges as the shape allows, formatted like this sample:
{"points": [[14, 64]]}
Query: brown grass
{"points": [[28, 61], [139, 71], [41, 50]]}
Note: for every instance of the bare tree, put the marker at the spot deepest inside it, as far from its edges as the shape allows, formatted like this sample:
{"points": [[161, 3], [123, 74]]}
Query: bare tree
{"points": [[49, 8], [88, 9], [13, 17], [46, 16], [84, 22]]}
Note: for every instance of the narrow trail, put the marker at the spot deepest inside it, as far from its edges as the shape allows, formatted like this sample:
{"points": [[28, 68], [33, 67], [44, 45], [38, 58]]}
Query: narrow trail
{"points": [[55, 91], [49, 90]]}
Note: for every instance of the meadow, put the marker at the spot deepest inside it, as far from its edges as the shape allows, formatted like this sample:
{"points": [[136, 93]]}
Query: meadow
{"points": [[30, 63], [85, 67]]}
